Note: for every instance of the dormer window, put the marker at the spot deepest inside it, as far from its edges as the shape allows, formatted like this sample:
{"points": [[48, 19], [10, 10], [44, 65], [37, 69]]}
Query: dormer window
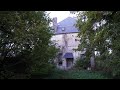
{"points": [[63, 28]]}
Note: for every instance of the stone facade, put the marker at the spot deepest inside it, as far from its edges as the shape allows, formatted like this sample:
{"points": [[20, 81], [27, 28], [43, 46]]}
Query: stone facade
{"points": [[66, 38]]}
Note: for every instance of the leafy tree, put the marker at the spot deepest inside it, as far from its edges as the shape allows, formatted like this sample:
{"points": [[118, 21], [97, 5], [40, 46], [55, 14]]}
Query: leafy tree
{"points": [[24, 41], [99, 31]]}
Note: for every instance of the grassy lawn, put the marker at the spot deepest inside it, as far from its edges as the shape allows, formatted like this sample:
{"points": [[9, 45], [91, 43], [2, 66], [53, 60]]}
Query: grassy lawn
{"points": [[74, 74], [84, 74], [70, 74]]}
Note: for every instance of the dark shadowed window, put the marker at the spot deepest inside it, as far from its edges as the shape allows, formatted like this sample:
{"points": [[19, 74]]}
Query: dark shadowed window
{"points": [[60, 63]]}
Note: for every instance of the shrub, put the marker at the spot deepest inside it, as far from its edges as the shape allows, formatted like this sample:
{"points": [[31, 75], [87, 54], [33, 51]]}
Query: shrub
{"points": [[42, 70], [109, 66], [82, 64]]}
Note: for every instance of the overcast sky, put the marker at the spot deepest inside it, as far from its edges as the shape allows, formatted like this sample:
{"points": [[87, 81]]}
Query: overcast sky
{"points": [[60, 15]]}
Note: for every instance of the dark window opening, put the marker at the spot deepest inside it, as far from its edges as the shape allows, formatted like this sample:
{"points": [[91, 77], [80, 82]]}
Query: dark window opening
{"points": [[75, 39], [69, 62], [60, 63]]}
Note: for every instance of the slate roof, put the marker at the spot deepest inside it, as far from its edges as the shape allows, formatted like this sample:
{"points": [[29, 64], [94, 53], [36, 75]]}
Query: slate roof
{"points": [[68, 25]]}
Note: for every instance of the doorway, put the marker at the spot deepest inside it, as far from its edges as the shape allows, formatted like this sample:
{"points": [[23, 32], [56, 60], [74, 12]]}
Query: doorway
{"points": [[69, 62]]}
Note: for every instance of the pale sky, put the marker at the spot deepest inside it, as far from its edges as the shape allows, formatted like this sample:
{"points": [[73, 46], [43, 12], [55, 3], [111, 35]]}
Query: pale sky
{"points": [[60, 15]]}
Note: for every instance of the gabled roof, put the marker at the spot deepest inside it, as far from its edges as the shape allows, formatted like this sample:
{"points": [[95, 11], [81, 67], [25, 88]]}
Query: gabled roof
{"points": [[68, 24]]}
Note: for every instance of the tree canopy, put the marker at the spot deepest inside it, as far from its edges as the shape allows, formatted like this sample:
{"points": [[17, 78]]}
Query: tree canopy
{"points": [[25, 41], [99, 32]]}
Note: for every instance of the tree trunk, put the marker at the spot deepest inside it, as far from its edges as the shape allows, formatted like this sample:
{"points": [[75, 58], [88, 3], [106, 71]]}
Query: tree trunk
{"points": [[92, 62]]}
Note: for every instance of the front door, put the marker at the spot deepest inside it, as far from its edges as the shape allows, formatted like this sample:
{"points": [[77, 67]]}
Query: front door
{"points": [[69, 62]]}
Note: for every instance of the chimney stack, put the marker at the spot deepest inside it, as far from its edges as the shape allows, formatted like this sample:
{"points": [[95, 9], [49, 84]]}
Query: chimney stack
{"points": [[55, 24]]}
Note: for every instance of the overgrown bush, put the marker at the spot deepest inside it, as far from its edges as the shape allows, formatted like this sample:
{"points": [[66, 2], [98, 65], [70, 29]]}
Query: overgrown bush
{"points": [[42, 71], [25, 42], [110, 66], [82, 64], [104, 38], [114, 66], [6, 74]]}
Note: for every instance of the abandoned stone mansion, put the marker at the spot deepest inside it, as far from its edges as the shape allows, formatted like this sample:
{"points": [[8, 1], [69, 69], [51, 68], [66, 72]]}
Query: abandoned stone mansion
{"points": [[66, 38]]}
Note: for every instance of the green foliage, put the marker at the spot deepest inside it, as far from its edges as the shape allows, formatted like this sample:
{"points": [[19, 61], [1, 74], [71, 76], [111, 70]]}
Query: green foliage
{"points": [[6, 74], [84, 74], [42, 70], [82, 64], [76, 74], [105, 37], [25, 41]]}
